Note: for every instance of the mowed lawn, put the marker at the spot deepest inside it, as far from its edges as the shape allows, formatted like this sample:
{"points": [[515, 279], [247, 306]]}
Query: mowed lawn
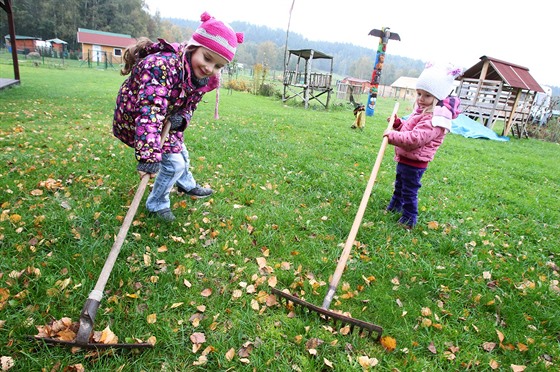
{"points": [[474, 287]]}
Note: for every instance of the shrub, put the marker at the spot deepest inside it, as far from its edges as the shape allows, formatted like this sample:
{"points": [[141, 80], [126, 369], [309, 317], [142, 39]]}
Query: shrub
{"points": [[549, 132], [238, 85]]}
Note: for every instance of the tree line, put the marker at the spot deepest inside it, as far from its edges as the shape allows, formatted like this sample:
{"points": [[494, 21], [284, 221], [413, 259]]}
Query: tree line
{"points": [[49, 19]]}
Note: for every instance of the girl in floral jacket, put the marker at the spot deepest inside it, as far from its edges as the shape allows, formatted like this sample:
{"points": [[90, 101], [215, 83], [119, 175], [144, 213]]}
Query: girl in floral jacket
{"points": [[166, 83]]}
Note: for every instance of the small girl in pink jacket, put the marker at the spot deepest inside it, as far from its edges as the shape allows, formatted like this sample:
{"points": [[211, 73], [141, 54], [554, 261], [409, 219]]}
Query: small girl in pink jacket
{"points": [[418, 137]]}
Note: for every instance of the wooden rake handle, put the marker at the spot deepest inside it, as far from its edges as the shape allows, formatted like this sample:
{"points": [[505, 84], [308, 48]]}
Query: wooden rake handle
{"points": [[359, 215], [121, 236]]}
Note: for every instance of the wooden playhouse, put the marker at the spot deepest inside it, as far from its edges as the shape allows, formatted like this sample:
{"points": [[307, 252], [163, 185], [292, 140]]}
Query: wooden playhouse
{"points": [[493, 90]]}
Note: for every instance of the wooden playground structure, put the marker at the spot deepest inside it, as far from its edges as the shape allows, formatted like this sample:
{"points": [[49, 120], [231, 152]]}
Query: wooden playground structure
{"points": [[302, 82]]}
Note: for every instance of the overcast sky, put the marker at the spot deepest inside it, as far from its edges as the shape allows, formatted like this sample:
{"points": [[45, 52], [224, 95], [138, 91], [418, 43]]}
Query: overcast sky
{"points": [[525, 33]]}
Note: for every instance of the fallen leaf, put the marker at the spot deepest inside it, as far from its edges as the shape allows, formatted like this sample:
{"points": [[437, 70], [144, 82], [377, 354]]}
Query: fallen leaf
{"points": [[522, 347], [6, 362], [198, 338], [75, 368], [489, 346], [202, 360], [206, 293], [389, 343], [433, 225], [230, 354], [108, 337], [246, 350], [432, 348], [500, 336], [261, 262], [367, 362], [328, 362], [152, 318], [313, 343], [272, 281]]}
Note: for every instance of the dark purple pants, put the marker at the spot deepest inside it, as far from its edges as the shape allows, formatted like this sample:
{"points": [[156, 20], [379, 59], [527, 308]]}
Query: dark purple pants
{"points": [[405, 195]]}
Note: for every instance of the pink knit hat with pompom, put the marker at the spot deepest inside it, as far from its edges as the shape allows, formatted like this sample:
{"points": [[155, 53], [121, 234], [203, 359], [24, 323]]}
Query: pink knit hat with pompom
{"points": [[217, 36]]}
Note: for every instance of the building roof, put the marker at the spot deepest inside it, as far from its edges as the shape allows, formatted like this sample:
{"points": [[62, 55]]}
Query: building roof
{"points": [[306, 53], [20, 37], [405, 82], [513, 75], [354, 80], [86, 36], [57, 41]]}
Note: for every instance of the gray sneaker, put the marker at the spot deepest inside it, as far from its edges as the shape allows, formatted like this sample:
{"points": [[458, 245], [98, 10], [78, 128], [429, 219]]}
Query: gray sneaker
{"points": [[197, 192], [164, 214]]}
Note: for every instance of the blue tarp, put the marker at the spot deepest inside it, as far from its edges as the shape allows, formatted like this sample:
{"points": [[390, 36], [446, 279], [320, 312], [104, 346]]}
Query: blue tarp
{"points": [[469, 128]]}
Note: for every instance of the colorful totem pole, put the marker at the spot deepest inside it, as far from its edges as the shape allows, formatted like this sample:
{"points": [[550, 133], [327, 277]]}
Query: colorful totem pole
{"points": [[384, 35]]}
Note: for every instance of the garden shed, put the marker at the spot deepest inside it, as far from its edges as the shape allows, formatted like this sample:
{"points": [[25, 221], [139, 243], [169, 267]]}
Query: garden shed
{"points": [[404, 87], [6, 5], [103, 47], [303, 82], [351, 87], [494, 90]]}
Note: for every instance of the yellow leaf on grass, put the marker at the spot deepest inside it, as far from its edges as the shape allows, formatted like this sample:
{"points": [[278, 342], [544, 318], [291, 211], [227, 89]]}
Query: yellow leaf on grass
{"points": [[261, 262], [272, 281], [237, 293], [108, 337], [152, 318], [176, 304], [366, 361], [433, 225], [426, 311], [389, 343], [4, 294], [500, 336], [230, 354], [66, 335], [522, 347]]}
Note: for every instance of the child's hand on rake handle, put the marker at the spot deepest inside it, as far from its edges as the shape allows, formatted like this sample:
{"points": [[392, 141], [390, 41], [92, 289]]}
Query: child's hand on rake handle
{"points": [[144, 168]]}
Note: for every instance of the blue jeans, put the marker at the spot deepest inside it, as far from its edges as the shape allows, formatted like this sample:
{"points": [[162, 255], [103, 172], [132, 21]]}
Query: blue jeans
{"points": [[174, 169], [405, 195]]}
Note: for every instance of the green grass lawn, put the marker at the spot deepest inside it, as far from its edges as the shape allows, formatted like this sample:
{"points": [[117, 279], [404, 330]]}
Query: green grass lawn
{"points": [[474, 287]]}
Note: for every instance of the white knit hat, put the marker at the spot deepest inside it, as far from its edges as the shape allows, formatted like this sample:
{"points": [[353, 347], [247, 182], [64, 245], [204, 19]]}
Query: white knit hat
{"points": [[437, 80]]}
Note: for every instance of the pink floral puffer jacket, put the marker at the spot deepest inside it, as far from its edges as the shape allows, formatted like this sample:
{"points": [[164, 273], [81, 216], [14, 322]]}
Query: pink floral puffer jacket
{"points": [[158, 86]]}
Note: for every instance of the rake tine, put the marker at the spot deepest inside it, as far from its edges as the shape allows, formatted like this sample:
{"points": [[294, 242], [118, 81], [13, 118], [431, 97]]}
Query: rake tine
{"points": [[329, 315]]}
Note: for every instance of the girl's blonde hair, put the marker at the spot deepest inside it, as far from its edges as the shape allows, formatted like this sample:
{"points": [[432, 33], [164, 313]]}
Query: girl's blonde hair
{"points": [[133, 53]]}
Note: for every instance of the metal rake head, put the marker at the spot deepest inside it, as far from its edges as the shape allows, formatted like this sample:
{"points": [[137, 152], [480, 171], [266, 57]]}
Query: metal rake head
{"points": [[332, 316]]}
